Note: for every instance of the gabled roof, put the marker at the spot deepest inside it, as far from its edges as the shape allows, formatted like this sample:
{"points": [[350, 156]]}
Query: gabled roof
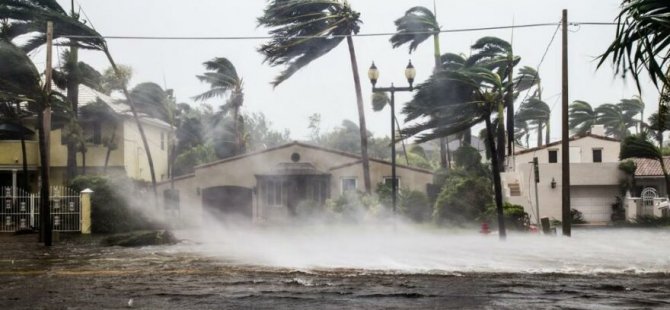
{"points": [[357, 158], [650, 167], [573, 138]]}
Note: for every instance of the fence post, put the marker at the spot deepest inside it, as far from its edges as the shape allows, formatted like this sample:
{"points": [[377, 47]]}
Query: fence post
{"points": [[86, 211]]}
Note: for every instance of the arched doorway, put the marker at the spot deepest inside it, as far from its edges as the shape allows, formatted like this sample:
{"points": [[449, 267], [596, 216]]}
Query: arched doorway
{"points": [[648, 195], [226, 202]]}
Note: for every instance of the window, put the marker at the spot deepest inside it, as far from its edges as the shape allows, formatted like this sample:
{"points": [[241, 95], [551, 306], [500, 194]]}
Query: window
{"points": [[388, 181], [597, 155], [348, 184], [553, 156], [275, 193]]}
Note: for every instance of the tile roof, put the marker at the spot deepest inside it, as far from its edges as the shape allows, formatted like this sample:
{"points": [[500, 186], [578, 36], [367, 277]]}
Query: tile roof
{"points": [[650, 167]]}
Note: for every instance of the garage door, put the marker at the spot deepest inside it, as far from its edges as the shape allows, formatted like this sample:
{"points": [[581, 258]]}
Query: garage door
{"points": [[595, 202], [225, 201]]}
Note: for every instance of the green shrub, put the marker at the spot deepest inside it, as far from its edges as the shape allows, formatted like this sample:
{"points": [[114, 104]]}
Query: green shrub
{"points": [[463, 199], [577, 217], [110, 211], [651, 221], [515, 216]]}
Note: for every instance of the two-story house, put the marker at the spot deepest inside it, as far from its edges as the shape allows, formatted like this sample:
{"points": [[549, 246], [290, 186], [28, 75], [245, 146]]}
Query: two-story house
{"points": [[113, 124], [595, 178]]}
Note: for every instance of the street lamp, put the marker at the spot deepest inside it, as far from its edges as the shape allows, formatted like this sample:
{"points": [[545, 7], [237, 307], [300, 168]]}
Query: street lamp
{"points": [[373, 75]]}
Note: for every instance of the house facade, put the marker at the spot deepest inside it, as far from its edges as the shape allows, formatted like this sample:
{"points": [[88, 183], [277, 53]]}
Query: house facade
{"points": [[595, 178], [273, 184], [118, 127]]}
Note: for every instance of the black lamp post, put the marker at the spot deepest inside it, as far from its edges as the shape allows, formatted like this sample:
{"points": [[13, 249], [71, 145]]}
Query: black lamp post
{"points": [[373, 74]]}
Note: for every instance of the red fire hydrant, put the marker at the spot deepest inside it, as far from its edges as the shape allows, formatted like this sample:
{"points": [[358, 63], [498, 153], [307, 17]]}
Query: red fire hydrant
{"points": [[485, 229]]}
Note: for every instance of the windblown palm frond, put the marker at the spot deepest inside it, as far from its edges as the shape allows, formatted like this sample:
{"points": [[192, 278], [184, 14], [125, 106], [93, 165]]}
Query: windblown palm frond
{"points": [[581, 116], [642, 40], [417, 25], [304, 30]]}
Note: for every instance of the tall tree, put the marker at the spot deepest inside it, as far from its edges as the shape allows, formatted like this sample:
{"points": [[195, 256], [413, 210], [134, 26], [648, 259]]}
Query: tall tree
{"points": [[497, 55], [536, 112], [462, 97], [616, 122], [657, 127], [304, 30], [582, 117], [225, 81], [632, 107], [416, 26]]}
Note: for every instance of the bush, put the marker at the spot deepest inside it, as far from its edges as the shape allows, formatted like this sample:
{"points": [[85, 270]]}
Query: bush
{"points": [[577, 217], [464, 199], [415, 205], [110, 211], [618, 211], [651, 221], [515, 217]]}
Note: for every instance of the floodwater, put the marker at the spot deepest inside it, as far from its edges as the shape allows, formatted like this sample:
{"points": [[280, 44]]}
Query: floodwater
{"points": [[343, 267]]}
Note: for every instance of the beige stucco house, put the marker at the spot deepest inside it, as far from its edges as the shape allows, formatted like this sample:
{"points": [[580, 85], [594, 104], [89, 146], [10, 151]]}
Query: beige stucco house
{"points": [[594, 178], [272, 183], [128, 158]]}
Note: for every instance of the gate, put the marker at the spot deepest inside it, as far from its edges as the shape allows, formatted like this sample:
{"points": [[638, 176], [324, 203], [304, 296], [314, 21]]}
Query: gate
{"points": [[19, 209]]}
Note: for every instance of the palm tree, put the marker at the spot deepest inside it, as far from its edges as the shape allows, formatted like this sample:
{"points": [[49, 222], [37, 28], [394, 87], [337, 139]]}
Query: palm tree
{"points": [[536, 112], [460, 98], [657, 126], [416, 26], [641, 41], [224, 81], [12, 115], [304, 30], [582, 117], [69, 78], [497, 55], [637, 146], [614, 119], [632, 107]]}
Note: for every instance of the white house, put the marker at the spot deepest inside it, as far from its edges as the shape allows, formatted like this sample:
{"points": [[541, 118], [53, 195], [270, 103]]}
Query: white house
{"points": [[594, 178]]}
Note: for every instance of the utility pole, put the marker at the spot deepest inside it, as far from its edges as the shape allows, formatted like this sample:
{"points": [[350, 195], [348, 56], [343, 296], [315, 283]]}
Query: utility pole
{"points": [[565, 143], [45, 212], [536, 172]]}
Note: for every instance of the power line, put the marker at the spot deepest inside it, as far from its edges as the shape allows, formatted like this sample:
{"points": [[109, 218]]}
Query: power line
{"points": [[336, 36], [546, 50]]}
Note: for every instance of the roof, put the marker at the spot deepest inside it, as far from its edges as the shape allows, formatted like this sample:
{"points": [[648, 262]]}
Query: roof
{"points": [[647, 167], [573, 138], [88, 96], [294, 169], [314, 147]]}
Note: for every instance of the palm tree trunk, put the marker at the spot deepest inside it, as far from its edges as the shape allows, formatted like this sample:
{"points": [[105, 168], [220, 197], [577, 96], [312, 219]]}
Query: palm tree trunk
{"points": [[110, 144], [133, 110], [509, 100], [547, 131], [501, 137], [24, 155], [73, 97], [361, 117], [539, 134], [444, 153], [402, 141], [496, 179], [83, 159]]}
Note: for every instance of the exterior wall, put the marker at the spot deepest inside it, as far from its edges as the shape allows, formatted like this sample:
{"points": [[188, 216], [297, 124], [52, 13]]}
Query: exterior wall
{"points": [[11, 155], [136, 163], [604, 177], [241, 171]]}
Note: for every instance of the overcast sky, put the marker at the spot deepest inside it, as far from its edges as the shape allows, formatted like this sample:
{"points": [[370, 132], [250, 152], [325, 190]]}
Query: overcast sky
{"points": [[326, 86]]}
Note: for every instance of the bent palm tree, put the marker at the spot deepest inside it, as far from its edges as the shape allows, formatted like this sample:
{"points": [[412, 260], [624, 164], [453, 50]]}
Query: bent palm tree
{"points": [[538, 113], [304, 30], [615, 120], [224, 81], [631, 108], [582, 117], [416, 26], [460, 98]]}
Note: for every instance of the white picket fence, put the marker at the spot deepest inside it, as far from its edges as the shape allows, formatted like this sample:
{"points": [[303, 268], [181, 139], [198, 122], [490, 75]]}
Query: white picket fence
{"points": [[19, 209]]}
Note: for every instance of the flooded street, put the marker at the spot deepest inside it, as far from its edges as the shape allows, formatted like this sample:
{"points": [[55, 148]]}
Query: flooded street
{"points": [[79, 274]]}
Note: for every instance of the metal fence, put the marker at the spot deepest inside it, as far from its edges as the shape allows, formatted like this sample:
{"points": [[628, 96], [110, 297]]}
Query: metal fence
{"points": [[19, 209]]}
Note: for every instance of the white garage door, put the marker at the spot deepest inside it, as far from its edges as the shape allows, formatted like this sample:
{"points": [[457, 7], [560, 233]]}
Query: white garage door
{"points": [[595, 202]]}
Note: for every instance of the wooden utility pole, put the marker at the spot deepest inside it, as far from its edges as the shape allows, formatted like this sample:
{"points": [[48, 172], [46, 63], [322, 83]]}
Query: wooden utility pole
{"points": [[565, 143], [45, 212]]}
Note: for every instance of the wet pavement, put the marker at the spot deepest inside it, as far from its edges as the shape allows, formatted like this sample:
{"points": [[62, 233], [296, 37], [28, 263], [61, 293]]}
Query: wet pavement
{"points": [[76, 273]]}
